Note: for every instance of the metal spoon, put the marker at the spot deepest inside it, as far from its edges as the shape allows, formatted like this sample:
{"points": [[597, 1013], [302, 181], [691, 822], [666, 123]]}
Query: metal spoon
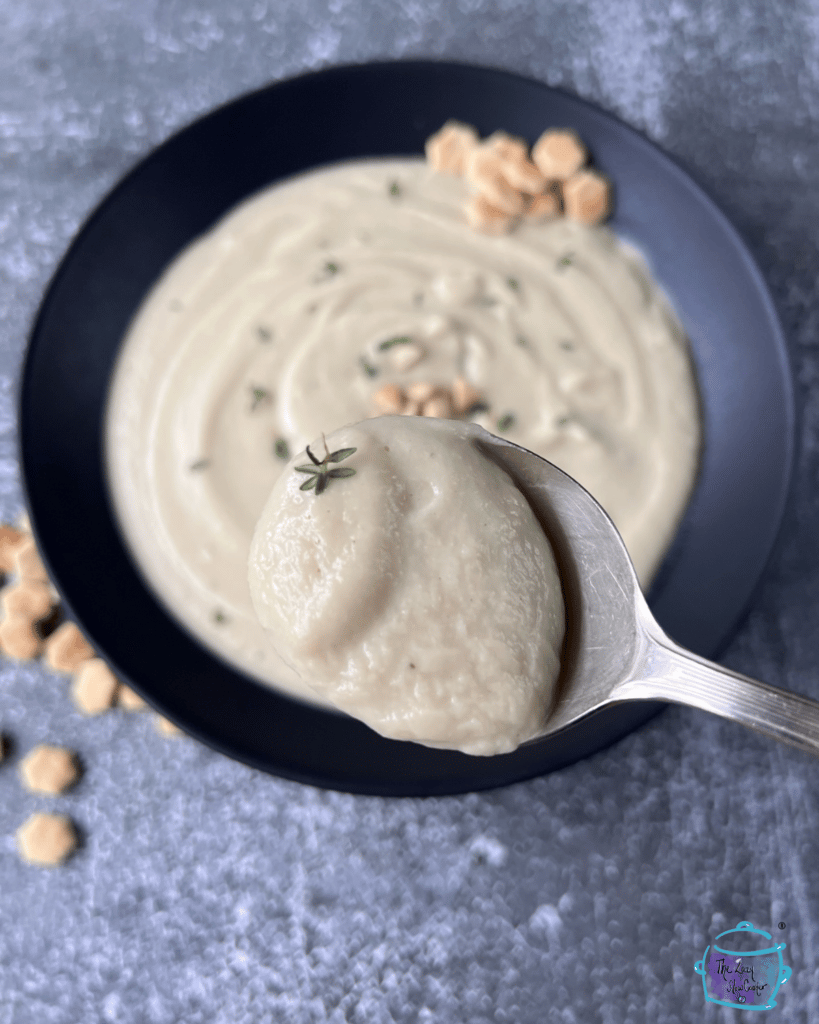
{"points": [[615, 650]]}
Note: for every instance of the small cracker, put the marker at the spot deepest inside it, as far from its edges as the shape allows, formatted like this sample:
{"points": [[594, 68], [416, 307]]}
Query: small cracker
{"points": [[485, 172], [66, 649], [559, 154], [587, 197], [389, 399], [18, 639], [166, 727], [464, 395], [546, 206], [27, 562], [95, 687], [449, 147], [46, 839], [482, 215], [10, 540], [129, 699], [49, 770], [27, 599]]}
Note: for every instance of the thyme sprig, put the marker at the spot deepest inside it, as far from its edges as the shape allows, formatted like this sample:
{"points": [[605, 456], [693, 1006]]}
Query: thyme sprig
{"points": [[259, 396], [320, 472], [403, 339]]}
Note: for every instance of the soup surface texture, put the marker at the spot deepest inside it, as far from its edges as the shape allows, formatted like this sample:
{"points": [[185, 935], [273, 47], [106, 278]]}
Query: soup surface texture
{"points": [[284, 321]]}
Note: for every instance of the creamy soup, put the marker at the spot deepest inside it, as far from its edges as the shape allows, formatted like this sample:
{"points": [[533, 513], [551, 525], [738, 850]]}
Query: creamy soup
{"points": [[417, 592], [284, 321]]}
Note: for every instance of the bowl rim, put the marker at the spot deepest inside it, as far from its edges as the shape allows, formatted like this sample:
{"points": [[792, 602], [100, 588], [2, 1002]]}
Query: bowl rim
{"points": [[681, 177]]}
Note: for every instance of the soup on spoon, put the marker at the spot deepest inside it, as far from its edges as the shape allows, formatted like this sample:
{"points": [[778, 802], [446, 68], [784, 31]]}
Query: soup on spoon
{"points": [[408, 579]]}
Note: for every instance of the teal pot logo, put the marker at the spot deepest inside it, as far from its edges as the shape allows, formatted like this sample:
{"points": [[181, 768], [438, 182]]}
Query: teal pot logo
{"points": [[748, 979]]}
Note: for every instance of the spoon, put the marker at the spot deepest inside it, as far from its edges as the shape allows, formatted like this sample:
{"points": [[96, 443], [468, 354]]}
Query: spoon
{"points": [[615, 650]]}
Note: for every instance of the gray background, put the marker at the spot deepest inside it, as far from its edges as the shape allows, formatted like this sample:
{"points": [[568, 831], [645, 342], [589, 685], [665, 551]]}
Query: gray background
{"points": [[205, 891]]}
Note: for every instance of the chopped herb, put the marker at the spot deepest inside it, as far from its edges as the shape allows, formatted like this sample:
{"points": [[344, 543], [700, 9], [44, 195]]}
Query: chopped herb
{"points": [[368, 368], [264, 333], [219, 616], [282, 449], [330, 269], [565, 261], [566, 345], [200, 464], [513, 283], [260, 395], [506, 422], [521, 340], [395, 189], [562, 421], [403, 339], [320, 472]]}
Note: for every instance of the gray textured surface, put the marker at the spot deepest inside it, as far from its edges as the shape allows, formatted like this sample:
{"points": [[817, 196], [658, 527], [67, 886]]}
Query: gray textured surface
{"points": [[208, 892]]}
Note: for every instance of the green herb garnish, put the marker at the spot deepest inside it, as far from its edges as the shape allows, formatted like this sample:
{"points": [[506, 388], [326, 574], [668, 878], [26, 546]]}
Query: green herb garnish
{"points": [[259, 396], [219, 616], [200, 464], [567, 345], [282, 449], [395, 189], [368, 368], [565, 261], [562, 421], [506, 422], [321, 473], [330, 269], [521, 341], [513, 283], [264, 333], [403, 339]]}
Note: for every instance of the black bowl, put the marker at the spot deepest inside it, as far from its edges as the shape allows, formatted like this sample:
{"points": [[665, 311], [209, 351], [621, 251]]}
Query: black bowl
{"points": [[186, 185]]}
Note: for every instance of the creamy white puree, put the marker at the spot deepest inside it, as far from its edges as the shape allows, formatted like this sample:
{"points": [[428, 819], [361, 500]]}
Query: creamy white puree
{"points": [[260, 332], [419, 595]]}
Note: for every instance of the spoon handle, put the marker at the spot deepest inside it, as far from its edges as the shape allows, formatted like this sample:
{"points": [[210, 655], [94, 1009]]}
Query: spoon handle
{"points": [[673, 674]]}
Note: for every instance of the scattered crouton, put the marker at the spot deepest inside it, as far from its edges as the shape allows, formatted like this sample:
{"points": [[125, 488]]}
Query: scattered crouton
{"points": [[66, 649], [46, 839], [49, 770]]}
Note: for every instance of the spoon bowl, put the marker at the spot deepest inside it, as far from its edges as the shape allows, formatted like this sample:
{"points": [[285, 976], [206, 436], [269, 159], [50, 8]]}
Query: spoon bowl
{"points": [[615, 651]]}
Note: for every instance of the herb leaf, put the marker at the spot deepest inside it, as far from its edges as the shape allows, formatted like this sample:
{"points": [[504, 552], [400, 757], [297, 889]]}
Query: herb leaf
{"points": [[506, 422], [403, 339], [264, 333], [565, 261], [341, 454], [320, 472], [282, 449], [368, 368], [331, 268], [513, 283], [260, 395], [395, 189]]}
